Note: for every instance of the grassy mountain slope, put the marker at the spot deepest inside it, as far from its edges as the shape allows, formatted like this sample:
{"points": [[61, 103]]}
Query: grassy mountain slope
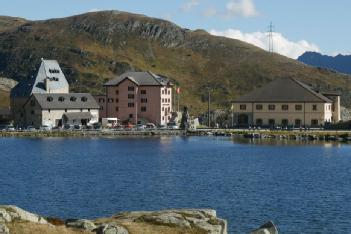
{"points": [[94, 47]]}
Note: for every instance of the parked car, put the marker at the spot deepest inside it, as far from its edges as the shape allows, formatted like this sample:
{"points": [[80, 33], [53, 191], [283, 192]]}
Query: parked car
{"points": [[173, 126], [97, 126], [46, 128], [140, 127], [150, 126], [31, 129], [10, 128], [68, 127], [162, 127]]}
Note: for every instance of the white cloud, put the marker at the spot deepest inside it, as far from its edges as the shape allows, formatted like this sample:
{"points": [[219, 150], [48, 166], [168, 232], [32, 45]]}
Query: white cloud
{"points": [[189, 5], [94, 10], [245, 8], [282, 45]]}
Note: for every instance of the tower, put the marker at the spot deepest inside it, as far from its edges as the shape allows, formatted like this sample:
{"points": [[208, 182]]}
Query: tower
{"points": [[270, 38]]}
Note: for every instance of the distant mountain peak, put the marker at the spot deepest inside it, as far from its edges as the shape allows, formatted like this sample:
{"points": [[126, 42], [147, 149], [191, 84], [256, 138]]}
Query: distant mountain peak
{"points": [[340, 63]]}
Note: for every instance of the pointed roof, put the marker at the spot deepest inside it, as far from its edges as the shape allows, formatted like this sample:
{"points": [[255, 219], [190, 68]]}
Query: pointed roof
{"points": [[50, 71], [140, 78], [284, 90]]}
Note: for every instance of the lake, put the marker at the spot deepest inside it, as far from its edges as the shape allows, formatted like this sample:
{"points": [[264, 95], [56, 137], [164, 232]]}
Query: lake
{"points": [[303, 188]]}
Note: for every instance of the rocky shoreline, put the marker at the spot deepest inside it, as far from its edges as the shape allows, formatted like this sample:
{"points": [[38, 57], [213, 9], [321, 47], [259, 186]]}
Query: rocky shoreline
{"points": [[319, 135], [192, 221]]}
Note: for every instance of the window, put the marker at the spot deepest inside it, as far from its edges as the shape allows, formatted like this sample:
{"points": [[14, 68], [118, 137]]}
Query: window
{"points": [[143, 109], [130, 116], [49, 99], [144, 100], [143, 91], [329, 107], [242, 107], [65, 110], [32, 112], [259, 122], [32, 102], [314, 107], [131, 104], [314, 122], [298, 107], [117, 108], [298, 122], [49, 110], [117, 92], [271, 107], [163, 109], [110, 100], [117, 100], [169, 92], [101, 108], [259, 107], [163, 100], [84, 99], [88, 109], [285, 122], [73, 99], [169, 100], [131, 88], [285, 107], [163, 92], [271, 122], [130, 96], [61, 99], [54, 71]]}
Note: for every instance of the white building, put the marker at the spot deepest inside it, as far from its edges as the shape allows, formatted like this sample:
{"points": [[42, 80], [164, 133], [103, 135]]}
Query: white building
{"points": [[286, 102], [46, 100]]}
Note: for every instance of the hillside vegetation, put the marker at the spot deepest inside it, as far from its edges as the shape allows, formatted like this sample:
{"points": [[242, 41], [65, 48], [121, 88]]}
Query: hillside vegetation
{"points": [[94, 47]]}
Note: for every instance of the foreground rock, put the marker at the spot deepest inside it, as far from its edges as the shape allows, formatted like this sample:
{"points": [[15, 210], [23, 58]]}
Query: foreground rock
{"points": [[187, 221], [267, 228]]}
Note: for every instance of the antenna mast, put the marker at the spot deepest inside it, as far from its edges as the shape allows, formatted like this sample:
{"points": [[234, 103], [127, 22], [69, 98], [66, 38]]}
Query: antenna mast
{"points": [[270, 37]]}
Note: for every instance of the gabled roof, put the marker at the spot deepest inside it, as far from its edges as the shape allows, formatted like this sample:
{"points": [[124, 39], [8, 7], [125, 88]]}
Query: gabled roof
{"points": [[50, 71], [284, 90], [66, 101], [141, 79]]}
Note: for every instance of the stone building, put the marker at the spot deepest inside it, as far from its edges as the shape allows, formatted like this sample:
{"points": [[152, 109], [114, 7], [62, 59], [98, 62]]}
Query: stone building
{"points": [[45, 100], [287, 103], [60, 109], [137, 97]]}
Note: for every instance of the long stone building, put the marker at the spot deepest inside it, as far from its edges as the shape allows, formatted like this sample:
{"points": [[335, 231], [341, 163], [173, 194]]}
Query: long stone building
{"points": [[137, 97], [46, 100], [286, 102]]}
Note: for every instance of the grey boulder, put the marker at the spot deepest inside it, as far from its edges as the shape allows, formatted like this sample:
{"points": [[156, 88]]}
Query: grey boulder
{"points": [[83, 224], [111, 228], [267, 228]]}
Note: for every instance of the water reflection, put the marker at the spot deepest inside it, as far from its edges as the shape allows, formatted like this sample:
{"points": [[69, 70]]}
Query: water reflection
{"points": [[282, 142]]}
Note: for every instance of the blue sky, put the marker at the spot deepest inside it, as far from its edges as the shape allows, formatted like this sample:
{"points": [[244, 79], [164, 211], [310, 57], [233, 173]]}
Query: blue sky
{"points": [[300, 24]]}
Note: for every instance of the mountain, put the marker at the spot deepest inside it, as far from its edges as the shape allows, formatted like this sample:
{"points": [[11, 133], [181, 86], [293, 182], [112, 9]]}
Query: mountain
{"points": [[94, 47], [339, 63]]}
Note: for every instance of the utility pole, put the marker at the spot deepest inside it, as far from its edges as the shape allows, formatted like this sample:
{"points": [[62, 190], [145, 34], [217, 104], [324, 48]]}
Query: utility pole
{"points": [[270, 37], [209, 108]]}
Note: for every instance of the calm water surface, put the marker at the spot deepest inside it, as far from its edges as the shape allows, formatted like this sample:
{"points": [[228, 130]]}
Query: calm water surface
{"points": [[304, 188]]}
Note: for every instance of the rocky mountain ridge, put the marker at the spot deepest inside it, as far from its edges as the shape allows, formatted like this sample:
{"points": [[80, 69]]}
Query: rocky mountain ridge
{"points": [[339, 63], [95, 47]]}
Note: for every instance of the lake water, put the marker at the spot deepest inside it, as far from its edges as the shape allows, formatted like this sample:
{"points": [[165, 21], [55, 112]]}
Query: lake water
{"points": [[303, 188]]}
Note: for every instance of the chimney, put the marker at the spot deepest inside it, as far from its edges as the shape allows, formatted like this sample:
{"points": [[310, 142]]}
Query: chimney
{"points": [[47, 83]]}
